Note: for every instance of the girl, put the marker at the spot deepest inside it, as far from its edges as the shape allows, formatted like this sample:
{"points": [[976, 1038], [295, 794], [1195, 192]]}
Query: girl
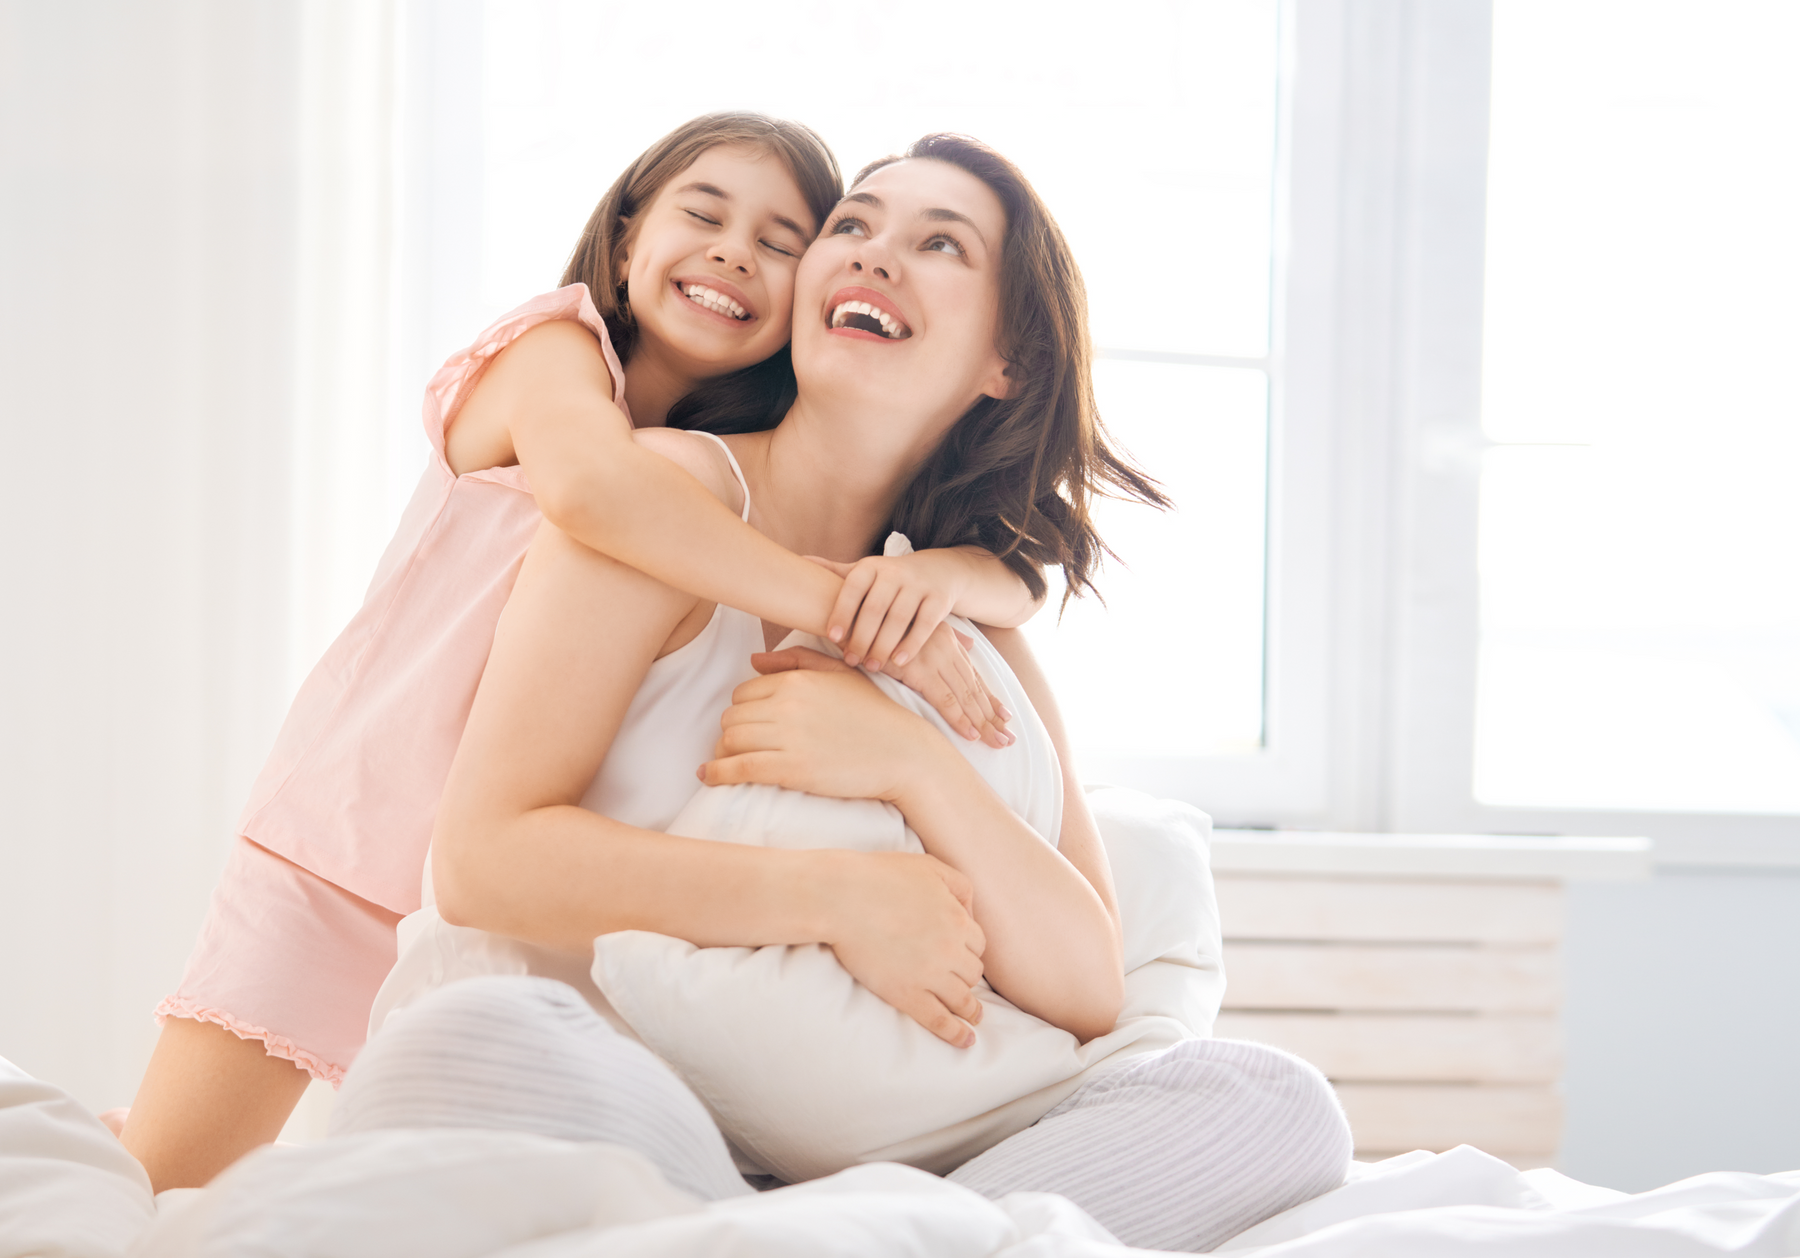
{"points": [[966, 412], [691, 257]]}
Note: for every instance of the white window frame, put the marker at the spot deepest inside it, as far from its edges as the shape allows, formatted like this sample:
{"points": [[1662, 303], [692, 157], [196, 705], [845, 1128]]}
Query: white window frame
{"points": [[1411, 186]]}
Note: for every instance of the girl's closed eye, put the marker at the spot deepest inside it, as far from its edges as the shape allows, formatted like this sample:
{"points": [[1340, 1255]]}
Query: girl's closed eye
{"points": [[710, 222]]}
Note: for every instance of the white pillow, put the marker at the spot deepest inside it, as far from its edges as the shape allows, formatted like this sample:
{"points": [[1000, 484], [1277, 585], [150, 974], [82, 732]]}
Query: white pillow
{"points": [[808, 1072]]}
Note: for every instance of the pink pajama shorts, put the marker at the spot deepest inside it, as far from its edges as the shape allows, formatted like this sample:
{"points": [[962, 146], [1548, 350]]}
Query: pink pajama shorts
{"points": [[290, 959]]}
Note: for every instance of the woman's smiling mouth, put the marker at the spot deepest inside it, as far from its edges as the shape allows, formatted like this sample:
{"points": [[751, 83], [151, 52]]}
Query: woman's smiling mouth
{"points": [[852, 311]]}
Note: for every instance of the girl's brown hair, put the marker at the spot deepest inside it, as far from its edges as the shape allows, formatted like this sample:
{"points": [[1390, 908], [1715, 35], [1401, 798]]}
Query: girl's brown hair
{"points": [[1017, 476], [599, 254]]}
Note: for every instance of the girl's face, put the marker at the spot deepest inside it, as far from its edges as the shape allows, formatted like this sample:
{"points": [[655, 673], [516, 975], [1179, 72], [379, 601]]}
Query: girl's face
{"points": [[899, 296], [711, 261]]}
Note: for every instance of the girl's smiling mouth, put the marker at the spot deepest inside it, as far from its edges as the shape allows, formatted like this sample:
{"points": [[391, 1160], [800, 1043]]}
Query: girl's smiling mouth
{"points": [[716, 299], [866, 311]]}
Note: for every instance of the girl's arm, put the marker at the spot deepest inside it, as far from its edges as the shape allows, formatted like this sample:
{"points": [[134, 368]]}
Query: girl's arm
{"points": [[546, 403], [1053, 944], [513, 852]]}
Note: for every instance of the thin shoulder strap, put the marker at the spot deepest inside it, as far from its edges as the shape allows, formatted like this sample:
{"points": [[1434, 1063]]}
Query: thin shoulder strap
{"points": [[735, 469]]}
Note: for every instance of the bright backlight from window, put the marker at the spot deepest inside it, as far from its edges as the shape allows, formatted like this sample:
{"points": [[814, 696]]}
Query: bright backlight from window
{"points": [[1149, 129], [1640, 547]]}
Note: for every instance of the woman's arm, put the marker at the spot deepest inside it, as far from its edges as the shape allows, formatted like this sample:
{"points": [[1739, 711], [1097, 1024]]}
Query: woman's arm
{"points": [[546, 403], [1052, 933], [515, 854]]}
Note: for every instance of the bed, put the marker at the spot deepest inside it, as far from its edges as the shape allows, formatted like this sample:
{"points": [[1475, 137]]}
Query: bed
{"points": [[69, 1190]]}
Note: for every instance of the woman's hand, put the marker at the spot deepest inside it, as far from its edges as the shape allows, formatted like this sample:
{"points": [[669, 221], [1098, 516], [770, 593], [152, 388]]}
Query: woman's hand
{"points": [[906, 931], [813, 724], [890, 617]]}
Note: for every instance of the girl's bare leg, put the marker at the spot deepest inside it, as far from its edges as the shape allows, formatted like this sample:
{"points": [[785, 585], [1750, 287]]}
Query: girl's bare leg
{"points": [[207, 1099]]}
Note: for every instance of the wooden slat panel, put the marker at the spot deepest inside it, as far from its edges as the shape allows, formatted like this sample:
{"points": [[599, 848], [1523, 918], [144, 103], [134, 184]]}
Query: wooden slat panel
{"points": [[1419, 1048], [1401, 912], [1519, 1161], [1373, 977], [1497, 1120]]}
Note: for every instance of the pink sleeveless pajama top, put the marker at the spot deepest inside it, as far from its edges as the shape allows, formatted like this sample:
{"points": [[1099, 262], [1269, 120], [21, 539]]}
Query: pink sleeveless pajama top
{"points": [[351, 789]]}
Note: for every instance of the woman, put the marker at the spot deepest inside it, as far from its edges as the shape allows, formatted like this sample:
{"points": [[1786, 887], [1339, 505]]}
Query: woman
{"points": [[943, 391]]}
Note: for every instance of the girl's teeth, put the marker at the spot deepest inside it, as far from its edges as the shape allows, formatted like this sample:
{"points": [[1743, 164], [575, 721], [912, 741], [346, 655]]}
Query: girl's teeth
{"points": [[700, 295]]}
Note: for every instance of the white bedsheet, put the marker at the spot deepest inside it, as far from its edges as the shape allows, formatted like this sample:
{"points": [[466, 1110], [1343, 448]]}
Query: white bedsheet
{"points": [[68, 1189]]}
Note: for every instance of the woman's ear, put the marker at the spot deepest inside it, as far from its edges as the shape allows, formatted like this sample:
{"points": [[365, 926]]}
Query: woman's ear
{"points": [[1003, 383]]}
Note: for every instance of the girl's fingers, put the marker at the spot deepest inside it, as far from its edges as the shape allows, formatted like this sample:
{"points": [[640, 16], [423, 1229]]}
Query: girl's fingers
{"points": [[843, 612], [927, 618], [900, 613], [869, 616]]}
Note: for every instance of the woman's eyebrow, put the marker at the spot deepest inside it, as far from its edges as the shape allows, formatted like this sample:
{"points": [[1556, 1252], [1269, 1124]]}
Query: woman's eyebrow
{"points": [[933, 215], [952, 216]]}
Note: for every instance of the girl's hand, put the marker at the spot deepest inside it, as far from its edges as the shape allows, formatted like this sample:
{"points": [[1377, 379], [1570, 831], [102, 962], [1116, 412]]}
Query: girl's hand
{"points": [[907, 932], [889, 618], [812, 723], [890, 604]]}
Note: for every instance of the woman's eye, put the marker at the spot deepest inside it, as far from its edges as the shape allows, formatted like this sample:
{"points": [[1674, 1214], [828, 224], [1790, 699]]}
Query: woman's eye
{"points": [[944, 244], [849, 227]]}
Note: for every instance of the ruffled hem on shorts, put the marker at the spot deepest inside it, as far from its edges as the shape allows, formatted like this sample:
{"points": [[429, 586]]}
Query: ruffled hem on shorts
{"points": [[276, 1045]]}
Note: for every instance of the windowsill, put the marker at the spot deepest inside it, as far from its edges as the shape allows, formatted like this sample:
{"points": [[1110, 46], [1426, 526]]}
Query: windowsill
{"points": [[1474, 856]]}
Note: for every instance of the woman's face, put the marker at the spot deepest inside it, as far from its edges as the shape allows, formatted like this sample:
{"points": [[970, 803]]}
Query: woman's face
{"points": [[711, 262], [898, 299]]}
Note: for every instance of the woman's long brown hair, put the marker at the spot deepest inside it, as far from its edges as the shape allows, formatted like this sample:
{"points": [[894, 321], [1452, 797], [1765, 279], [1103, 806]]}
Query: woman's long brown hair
{"points": [[1017, 476], [599, 257]]}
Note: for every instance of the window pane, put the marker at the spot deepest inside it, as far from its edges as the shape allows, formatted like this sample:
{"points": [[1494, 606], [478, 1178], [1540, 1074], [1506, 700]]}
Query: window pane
{"points": [[1150, 133], [1641, 565], [1172, 665]]}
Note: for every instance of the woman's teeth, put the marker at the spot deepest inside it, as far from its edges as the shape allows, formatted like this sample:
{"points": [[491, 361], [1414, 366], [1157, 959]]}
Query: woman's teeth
{"points": [[718, 303], [869, 318]]}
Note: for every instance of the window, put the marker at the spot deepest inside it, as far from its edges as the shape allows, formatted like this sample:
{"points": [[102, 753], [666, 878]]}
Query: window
{"points": [[1640, 551], [1151, 135]]}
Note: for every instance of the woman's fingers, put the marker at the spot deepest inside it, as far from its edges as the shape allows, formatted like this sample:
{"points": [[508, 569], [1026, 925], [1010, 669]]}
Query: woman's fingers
{"points": [[960, 999], [796, 659], [978, 702], [932, 1014], [767, 767]]}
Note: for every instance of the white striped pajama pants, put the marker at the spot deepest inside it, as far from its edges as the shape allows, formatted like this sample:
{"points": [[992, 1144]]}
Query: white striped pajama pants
{"points": [[1181, 1149]]}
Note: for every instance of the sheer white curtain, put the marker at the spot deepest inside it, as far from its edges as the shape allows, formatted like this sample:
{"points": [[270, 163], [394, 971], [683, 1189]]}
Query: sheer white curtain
{"points": [[196, 290]]}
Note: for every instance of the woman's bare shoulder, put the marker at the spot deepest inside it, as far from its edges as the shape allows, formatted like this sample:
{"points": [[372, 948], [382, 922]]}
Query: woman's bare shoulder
{"points": [[700, 456]]}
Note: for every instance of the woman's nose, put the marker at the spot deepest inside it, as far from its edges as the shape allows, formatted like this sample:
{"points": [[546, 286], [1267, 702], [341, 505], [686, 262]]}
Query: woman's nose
{"points": [[874, 270]]}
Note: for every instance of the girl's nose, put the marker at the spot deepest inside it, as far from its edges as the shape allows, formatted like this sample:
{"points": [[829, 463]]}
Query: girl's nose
{"points": [[731, 254]]}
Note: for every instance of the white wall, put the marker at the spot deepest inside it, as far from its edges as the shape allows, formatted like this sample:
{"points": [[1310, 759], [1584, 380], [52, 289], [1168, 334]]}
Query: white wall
{"points": [[147, 227], [1683, 1027]]}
